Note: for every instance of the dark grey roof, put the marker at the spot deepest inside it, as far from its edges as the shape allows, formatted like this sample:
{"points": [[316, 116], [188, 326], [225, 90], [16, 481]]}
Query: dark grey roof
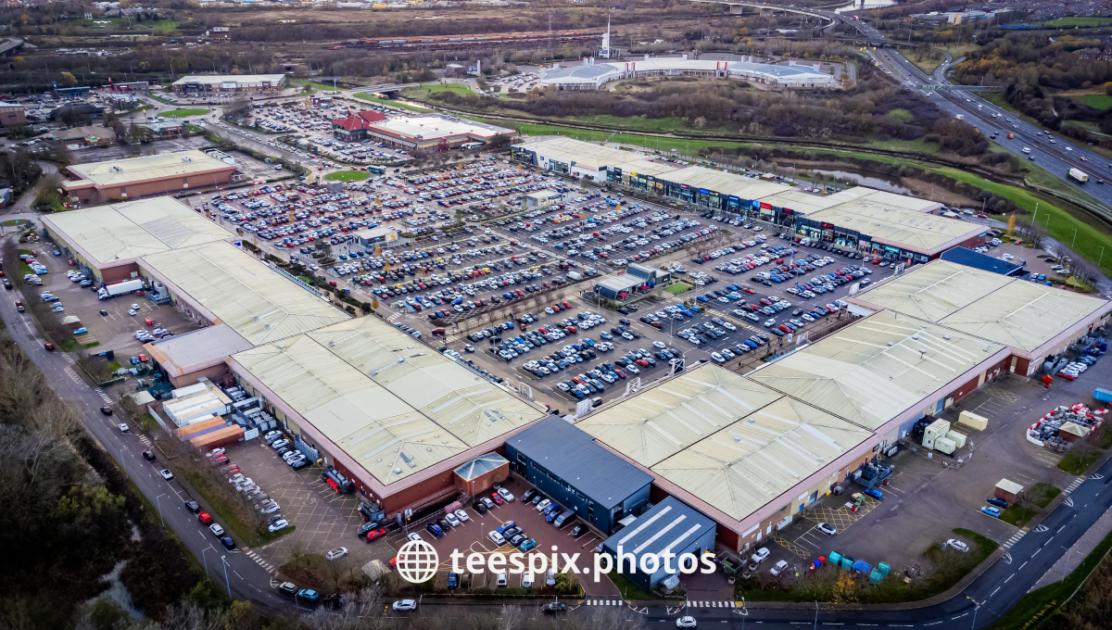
{"points": [[670, 524], [573, 456], [977, 260]]}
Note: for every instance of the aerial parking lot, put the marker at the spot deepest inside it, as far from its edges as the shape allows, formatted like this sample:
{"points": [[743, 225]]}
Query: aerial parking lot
{"points": [[307, 124]]}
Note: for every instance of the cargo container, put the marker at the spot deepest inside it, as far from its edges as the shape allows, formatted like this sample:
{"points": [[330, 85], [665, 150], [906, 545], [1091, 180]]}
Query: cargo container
{"points": [[938, 428], [192, 429], [1102, 395], [945, 445], [1078, 175], [220, 437], [973, 421], [957, 438]]}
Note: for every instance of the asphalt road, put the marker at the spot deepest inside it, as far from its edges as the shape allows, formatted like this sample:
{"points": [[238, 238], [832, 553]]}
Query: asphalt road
{"points": [[243, 577]]}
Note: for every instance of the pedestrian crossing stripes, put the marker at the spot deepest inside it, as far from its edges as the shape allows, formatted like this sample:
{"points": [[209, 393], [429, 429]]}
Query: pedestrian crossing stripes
{"points": [[394, 317], [604, 602], [1073, 485], [713, 603], [105, 397], [73, 376], [144, 440], [1008, 544], [269, 568]]}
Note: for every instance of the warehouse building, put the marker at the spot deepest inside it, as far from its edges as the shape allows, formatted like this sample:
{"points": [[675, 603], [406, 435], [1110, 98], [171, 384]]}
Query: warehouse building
{"points": [[882, 224], [354, 126], [107, 241], [356, 394], [590, 75], [747, 456], [132, 178], [433, 133], [668, 528], [196, 355], [571, 469], [1033, 320], [219, 283], [200, 85], [12, 114]]}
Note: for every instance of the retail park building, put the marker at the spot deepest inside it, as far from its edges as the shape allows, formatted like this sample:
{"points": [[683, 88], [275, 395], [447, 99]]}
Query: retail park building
{"points": [[749, 451]]}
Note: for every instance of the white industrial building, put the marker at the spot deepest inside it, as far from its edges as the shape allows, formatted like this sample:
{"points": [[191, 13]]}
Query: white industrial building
{"points": [[591, 75]]}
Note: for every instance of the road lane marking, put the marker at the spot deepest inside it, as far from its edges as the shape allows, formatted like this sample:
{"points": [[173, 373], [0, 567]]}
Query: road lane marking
{"points": [[994, 591], [1009, 578]]}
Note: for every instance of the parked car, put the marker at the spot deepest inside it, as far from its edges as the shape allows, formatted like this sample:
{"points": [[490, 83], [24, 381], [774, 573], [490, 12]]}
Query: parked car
{"points": [[998, 502], [760, 555], [956, 545], [277, 525], [404, 605], [827, 529], [166, 474], [778, 568], [991, 510], [336, 554], [216, 530]]}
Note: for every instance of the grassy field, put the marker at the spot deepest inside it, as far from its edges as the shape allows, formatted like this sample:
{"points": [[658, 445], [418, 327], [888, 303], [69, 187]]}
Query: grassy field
{"points": [[1075, 21], [184, 112], [929, 58], [367, 96], [1103, 102], [347, 176], [1078, 460], [628, 589], [316, 85], [678, 287], [426, 90]]}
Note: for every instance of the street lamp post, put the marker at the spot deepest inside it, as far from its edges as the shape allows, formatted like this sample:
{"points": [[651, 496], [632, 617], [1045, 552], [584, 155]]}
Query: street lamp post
{"points": [[227, 582], [158, 503]]}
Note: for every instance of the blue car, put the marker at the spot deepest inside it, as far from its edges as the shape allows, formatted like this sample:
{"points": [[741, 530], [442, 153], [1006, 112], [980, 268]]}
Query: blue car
{"points": [[998, 502], [453, 581], [874, 493], [308, 595], [992, 511], [435, 530]]}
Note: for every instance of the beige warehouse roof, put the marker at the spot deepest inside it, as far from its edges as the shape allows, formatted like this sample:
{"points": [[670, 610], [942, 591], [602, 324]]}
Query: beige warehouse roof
{"points": [[240, 79], [801, 202], [466, 405], [242, 292], [588, 155], [723, 182], [430, 127], [908, 229], [373, 426], [860, 195], [663, 420], [148, 167], [124, 231], [1015, 312], [875, 369], [758, 458]]}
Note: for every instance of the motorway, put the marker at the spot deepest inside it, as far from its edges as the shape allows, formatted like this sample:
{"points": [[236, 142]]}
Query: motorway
{"points": [[234, 570]]}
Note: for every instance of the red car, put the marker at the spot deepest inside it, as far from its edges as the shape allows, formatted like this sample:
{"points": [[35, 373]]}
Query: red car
{"points": [[220, 459], [375, 534], [205, 518], [497, 498]]}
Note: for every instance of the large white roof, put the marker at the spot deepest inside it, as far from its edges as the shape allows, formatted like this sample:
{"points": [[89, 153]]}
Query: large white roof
{"points": [[121, 232], [872, 371], [761, 456], [432, 127], [148, 168], [663, 420], [237, 289], [394, 405], [899, 226], [238, 79], [1018, 313]]}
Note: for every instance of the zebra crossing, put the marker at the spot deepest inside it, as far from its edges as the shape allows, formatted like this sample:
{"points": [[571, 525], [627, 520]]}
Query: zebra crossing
{"points": [[1073, 485], [395, 316], [1009, 543], [604, 602], [144, 440], [714, 603], [103, 396], [269, 568]]}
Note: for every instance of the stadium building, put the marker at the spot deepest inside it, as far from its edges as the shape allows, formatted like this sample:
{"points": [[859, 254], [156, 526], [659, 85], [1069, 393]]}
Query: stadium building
{"points": [[592, 75]]}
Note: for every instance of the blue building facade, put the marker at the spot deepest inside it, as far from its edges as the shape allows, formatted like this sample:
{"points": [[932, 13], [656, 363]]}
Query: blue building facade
{"points": [[569, 467], [670, 526]]}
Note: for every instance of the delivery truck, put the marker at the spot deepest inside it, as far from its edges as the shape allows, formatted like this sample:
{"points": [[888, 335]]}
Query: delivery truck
{"points": [[119, 288], [1079, 175]]}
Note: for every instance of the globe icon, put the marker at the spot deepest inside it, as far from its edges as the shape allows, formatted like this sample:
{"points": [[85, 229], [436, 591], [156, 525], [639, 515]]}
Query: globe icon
{"points": [[417, 561]]}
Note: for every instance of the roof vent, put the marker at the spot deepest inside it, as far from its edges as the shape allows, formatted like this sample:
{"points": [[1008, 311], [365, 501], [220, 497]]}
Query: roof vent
{"points": [[405, 457]]}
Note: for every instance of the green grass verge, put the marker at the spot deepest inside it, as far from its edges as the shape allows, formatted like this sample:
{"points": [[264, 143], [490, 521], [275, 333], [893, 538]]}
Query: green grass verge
{"points": [[678, 287], [427, 90], [1075, 21], [316, 85], [13, 222], [628, 589], [1038, 497], [347, 176], [226, 513], [367, 96], [1035, 607], [184, 112], [1077, 462]]}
